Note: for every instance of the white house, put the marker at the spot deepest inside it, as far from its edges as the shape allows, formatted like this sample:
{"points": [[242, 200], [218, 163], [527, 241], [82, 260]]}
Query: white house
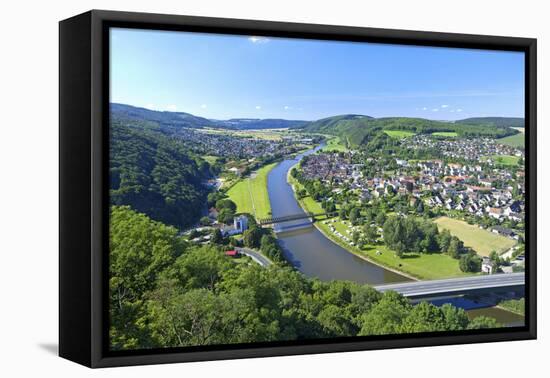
{"points": [[487, 266], [240, 225]]}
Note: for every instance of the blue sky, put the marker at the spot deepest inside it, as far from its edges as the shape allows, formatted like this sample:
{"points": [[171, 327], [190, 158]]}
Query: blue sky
{"points": [[220, 76]]}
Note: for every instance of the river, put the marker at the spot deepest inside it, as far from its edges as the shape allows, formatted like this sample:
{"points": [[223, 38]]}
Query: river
{"points": [[308, 249], [313, 254]]}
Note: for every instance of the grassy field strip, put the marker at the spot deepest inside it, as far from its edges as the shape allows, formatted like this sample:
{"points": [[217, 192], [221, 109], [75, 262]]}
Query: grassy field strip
{"points": [[252, 199], [448, 134], [482, 241], [505, 159], [335, 144], [250, 194], [517, 140], [307, 203], [267, 134], [399, 133]]}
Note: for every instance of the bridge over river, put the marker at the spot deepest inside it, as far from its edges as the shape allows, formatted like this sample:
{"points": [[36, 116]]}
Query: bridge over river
{"points": [[291, 217], [313, 254], [457, 286]]}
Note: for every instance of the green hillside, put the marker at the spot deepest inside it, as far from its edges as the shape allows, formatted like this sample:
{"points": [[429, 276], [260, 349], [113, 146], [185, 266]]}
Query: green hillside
{"points": [[356, 130], [155, 175], [165, 292], [494, 121], [335, 122], [169, 121], [517, 140]]}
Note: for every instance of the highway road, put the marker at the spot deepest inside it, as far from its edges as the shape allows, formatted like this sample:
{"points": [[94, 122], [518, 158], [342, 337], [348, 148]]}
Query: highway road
{"points": [[257, 257], [455, 285]]}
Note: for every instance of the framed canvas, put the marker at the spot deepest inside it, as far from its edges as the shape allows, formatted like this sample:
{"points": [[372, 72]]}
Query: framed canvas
{"points": [[236, 188]]}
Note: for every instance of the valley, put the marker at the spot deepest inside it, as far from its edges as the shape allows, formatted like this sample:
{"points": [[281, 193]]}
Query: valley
{"points": [[403, 199]]}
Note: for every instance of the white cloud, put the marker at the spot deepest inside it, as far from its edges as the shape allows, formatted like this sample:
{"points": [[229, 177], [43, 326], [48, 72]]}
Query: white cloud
{"points": [[458, 110], [255, 39], [203, 106], [444, 106], [171, 107], [435, 110], [151, 106], [452, 110], [286, 107], [258, 107]]}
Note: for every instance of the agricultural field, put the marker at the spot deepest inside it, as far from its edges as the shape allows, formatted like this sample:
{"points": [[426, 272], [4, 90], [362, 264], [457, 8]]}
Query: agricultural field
{"points": [[482, 241], [517, 140], [335, 144], [250, 194], [266, 134], [445, 134], [399, 134]]}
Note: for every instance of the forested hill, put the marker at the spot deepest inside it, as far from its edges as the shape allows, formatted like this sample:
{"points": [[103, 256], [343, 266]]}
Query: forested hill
{"points": [[164, 292], [172, 121], [357, 129], [494, 121], [336, 123], [165, 120], [155, 175]]}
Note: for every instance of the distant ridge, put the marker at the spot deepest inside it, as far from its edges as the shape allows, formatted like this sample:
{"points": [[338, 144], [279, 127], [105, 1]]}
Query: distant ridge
{"points": [[494, 121], [257, 123], [355, 129], [176, 119], [180, 119]]}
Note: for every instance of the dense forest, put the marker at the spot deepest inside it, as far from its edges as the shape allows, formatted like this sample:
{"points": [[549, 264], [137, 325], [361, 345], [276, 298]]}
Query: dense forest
{"points": [[165, 292], [357, 130], [155, 175]]}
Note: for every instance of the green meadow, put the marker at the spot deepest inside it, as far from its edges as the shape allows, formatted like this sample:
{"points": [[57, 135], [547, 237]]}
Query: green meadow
{"points": [[424, 266], [335, 143], [482, 241], [399, 134], [445, 134], [505, 159], [517, 140], [250, 194]]}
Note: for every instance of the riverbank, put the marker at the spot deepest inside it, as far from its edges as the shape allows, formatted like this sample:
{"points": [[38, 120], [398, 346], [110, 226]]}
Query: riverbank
{"points": [[308, 250], [516, 306], [250, 194], [315, 207], [415, 266]]}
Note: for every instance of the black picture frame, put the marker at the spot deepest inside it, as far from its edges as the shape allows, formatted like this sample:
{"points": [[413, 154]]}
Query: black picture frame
{"points": [[83, 195]]}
